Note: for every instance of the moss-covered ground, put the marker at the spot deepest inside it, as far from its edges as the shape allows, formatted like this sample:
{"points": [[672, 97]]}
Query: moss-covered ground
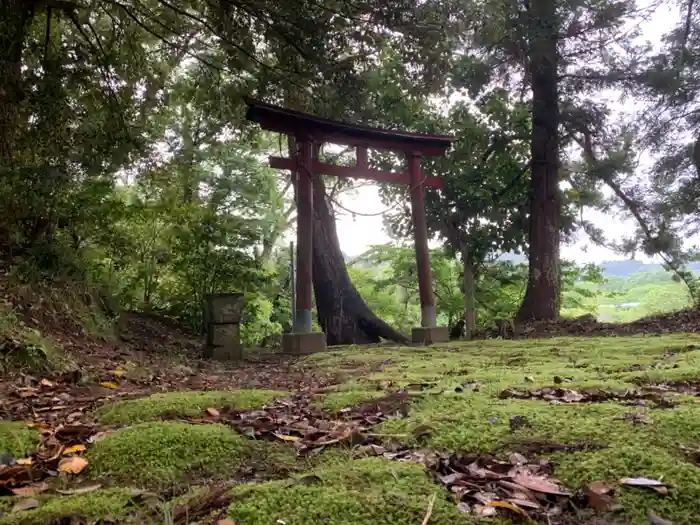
{"points": [[455, 407]]}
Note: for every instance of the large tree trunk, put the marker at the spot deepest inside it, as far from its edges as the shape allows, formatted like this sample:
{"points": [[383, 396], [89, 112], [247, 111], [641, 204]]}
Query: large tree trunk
{"points": [[342, 313], [14, 24], [541, 301]]}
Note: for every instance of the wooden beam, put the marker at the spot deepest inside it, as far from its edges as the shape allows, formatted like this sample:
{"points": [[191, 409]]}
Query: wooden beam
{"points": [[333, 170]]}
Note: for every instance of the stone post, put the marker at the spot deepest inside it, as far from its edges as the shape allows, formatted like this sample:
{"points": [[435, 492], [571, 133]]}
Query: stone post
{"points": [[222, 317]]}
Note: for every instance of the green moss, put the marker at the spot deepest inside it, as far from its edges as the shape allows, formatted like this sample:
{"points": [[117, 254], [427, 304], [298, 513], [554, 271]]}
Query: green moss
{"points": [[17, 439], [477, 420], [335, 401], [364, 492], [158, 455], [181, 404], [638, 459], [101, 505]]}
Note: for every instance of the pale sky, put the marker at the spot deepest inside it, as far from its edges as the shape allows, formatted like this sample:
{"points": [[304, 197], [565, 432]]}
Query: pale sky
{"points": [[359, 233]]}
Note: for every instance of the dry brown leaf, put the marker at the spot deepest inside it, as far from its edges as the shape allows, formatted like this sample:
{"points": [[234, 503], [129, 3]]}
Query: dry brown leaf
{"points": [[225, 522], [46, 383], [109, 384], [75, 449], [31, 490], [212, 412], [73, 465], [25, 504], [599, 495], [25, 462], [538, 484]]}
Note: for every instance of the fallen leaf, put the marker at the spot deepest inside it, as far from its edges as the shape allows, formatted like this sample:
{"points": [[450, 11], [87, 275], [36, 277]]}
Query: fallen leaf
{"points": [[118, 372], [505, 505], [656, 485], [212, 412], [225, 522], [109, 384], [99, 436], [31, 490], [25, 461], [284, 437], [80, 490], [538, 484], [599, 496], [641, 482], [72, 465], [25, 504], [46, 383], [74, 450]]}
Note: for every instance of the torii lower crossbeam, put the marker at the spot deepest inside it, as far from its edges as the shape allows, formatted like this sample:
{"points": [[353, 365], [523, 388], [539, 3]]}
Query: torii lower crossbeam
{"points": [[309, 132]]}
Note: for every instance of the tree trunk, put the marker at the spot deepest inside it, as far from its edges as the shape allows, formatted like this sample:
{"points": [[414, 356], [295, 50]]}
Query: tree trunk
{"points": [[541, 299], [469, 295], [342, 313], [14, 24]]}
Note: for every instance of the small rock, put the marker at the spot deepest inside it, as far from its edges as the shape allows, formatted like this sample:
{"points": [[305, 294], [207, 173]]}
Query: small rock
{"points": [[183, 370], [25, 504], [657, 520]]}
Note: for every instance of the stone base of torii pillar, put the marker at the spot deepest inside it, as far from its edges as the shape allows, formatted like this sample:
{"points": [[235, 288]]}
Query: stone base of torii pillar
{"points": [[304, 343], [427, 336]]}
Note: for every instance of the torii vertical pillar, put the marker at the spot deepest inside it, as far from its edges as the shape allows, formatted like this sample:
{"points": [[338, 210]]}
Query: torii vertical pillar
{"points": [[428, 332], [303, 339]]}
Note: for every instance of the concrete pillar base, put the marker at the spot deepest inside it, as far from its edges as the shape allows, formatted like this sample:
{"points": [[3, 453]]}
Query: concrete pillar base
{"points": [[426, 336], [303, 343]]}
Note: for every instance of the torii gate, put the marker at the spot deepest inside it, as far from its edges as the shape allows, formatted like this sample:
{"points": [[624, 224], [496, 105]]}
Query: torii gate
{"points": [[310, 131]]}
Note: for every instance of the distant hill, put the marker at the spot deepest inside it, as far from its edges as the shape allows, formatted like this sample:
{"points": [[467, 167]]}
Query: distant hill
{"points": [[628, 267], [620, 269]]}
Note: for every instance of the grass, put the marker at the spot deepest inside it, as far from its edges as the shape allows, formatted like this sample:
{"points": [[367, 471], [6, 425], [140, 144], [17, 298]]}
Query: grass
{"points": [[181, 404]]}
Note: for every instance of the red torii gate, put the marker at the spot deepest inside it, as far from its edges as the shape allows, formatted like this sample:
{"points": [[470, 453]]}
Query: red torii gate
{"points": [[310, 131]]}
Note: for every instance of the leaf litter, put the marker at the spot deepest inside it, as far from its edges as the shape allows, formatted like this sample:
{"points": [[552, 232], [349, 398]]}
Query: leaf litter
{"points": [[557, 395]]}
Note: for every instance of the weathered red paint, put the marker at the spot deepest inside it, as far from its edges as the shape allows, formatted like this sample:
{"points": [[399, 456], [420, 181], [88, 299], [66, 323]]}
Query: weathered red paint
{"points": [[303, 167], [334, 170]]}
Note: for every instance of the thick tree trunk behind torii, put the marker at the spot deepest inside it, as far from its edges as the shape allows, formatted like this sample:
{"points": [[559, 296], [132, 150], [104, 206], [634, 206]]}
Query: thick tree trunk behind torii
{"points": [[542, 296], [342, 313]]}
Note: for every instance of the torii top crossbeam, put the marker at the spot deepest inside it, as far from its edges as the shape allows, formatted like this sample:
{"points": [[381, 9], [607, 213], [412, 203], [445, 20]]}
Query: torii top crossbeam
{"points": [[290, 122], [310, 130]]}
